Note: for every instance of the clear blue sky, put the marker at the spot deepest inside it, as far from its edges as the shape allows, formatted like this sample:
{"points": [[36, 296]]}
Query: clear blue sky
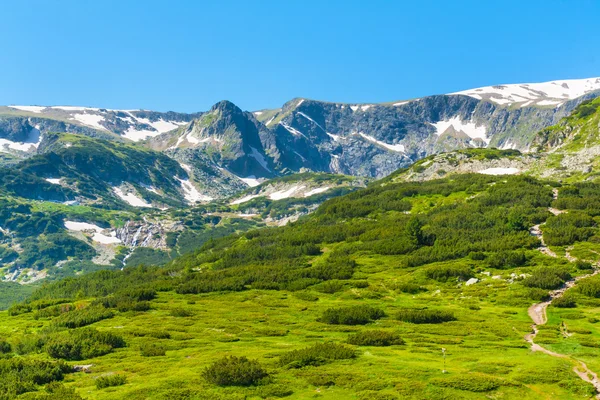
{"points": [[186, 55]]}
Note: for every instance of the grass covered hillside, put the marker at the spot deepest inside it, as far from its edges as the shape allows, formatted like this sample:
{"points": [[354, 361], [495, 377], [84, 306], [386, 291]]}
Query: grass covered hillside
{"points": [[359, 300]]}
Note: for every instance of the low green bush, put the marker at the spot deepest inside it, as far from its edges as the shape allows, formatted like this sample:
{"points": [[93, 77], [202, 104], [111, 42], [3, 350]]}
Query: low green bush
{"points": [[152, 350], [353, 315], [375, 338], [82, 344], [316, 355], [469, 382], [235, 371], [425, 316], [110, 380]]}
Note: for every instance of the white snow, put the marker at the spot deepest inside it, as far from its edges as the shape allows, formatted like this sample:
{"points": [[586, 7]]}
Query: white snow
{"points": [[191, 194], [316, 191], [92, 120], [401, 103], [35, 109], [97, 237], [310, 119], [186, 167], [245, 199], [160, 126], [259, 157], [81, 226], [354, 108], [285, 194], [366, 107], [334, 137], [508, 145], [75, 108], [300, 102], [293, 131], [250, 180], [257, 113], [54, 181], [393, 147], [130, 198], [270, 120], [544, 93], [33, 141], [499, 171], [469, 128]]}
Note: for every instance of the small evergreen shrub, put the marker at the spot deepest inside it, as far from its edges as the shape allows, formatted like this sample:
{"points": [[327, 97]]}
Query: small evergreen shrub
{"points": [[375, 338], [110, 380], [316, 355], [353, 315], [565, 301], [425, 316], [82, 344], [152, 350], [235, 371], [469, 382]]}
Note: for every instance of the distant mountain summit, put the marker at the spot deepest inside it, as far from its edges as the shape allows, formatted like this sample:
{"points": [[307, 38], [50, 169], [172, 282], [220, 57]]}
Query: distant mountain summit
{"points": [[226, 149]]}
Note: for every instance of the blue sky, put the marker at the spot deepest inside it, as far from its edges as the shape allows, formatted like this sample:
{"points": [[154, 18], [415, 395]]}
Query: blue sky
{"points": [[186, 55]]}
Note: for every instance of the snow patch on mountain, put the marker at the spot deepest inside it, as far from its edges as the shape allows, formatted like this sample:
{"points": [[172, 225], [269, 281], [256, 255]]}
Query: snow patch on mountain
{"points": [[131, 198], [250, 180], [394, 147], [35, 109], [92, 120], [54, 181], [469, 128], [544, 93], [260, 158], [191, 194], [98, 236], [284, 194], [245, 199], [499, 171], [316, 191]]}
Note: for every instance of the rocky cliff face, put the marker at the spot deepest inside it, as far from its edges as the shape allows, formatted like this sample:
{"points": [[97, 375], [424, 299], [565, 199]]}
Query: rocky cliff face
{"points": [[227, 149]]}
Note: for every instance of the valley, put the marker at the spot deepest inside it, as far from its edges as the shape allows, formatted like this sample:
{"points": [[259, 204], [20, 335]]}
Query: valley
{"points": [[205, 262]]}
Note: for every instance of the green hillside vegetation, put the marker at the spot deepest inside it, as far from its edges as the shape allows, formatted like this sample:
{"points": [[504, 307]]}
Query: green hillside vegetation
{"points": [[354, 301]]}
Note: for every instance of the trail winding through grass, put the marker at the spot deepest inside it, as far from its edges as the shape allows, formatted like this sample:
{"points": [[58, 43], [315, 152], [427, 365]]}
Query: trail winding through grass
{"points": [[537, 312]]}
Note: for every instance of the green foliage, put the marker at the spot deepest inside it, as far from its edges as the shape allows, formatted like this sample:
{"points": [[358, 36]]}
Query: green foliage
{"points": [[425, 316], [442, 273], [235, 371], [469, 382], [18, 375], [507, 259], [589, 287], [375, 338], [110, 380], [317, 354], [547, 278], [566, 301], [83, 317], [568, 228], [353, 315], [152, 350], [81, 344]]}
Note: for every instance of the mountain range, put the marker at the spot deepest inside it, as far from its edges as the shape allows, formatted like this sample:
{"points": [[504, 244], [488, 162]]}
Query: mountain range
{"points": [[149, 186]]}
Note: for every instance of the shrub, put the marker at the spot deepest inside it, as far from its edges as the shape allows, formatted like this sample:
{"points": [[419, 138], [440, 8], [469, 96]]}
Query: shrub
{"points": [[589, 287], [469, 382], [442, 273], [316, 355], [375, 338], [565, 301], [547, 278], [306, 296], [110, 380], [353, 315], [5, 347], [83, 317], [408, 287], [152, 350], [235, 371], [506, 259], [180, 312], [425, 316], [583, 265], [82, 344], [330, 287]]}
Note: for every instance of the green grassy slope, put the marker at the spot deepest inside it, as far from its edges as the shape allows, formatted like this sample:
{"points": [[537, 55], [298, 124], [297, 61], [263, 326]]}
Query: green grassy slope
{"points": [[399, 254]]}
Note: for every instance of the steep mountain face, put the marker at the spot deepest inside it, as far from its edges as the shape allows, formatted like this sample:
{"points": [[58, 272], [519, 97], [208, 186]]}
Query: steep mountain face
{"points": [[226, 149]]}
